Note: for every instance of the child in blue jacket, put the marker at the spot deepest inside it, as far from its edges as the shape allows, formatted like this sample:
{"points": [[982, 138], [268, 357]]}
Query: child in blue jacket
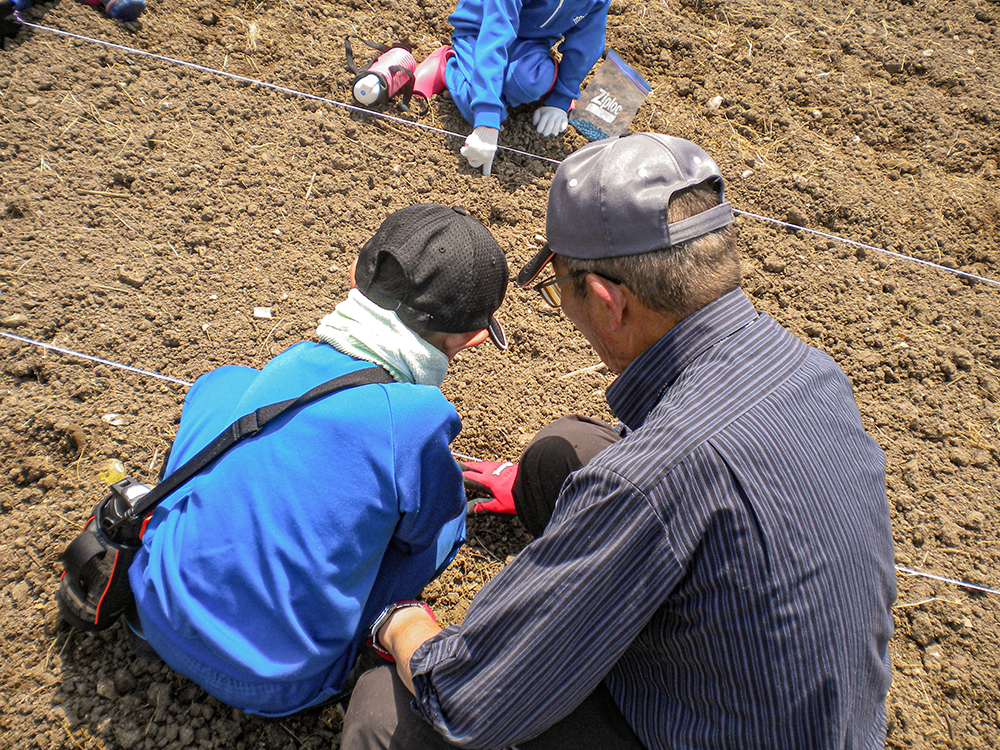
{"points": [[500, 58], [258, 577]]}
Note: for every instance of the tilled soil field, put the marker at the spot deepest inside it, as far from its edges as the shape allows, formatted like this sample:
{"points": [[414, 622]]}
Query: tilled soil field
{"points": [[148, 210]]}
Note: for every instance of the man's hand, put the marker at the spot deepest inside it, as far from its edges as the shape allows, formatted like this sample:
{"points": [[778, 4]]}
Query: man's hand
{"points": [[403, 633], [480, 148], [550, 120], [492, 479]]}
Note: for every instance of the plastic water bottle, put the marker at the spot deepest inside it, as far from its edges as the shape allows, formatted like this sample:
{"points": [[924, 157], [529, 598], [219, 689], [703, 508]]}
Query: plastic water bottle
{"points": [[385, 77]]}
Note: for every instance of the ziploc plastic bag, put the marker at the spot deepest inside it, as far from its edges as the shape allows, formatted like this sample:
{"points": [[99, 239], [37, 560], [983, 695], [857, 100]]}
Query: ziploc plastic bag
{"points": [[608, 104]]}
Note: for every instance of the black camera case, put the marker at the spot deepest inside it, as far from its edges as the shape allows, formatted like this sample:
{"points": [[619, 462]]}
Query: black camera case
{"points": [[94, 589]]}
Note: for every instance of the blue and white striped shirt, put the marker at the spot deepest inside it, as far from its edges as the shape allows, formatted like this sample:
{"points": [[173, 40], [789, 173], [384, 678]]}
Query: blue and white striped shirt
{"points": [[726, 567]]}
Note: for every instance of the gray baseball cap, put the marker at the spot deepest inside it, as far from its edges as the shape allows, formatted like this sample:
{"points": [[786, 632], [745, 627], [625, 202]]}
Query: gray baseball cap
{"points": [[609, 199]]}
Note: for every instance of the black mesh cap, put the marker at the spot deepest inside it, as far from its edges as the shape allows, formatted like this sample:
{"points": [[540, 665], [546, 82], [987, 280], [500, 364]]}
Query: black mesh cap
{"points": [[438, 268]]}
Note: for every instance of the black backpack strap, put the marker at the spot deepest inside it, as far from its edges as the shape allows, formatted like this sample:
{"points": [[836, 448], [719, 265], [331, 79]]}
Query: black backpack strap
{"points": [[246, 426]]}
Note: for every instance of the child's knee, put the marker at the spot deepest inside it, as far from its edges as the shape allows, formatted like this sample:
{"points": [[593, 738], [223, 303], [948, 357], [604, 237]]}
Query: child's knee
{"points": [[529, 78]]}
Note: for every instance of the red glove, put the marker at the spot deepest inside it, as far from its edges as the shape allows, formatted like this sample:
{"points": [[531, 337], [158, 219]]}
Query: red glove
{"points": [[493, 480]]}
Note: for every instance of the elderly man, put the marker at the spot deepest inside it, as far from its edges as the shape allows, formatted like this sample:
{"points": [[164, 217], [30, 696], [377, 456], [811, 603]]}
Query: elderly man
{"points": [[720, 575]]}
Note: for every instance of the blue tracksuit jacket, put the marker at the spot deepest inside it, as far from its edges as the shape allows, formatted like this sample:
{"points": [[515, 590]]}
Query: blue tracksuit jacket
{"points": [[258, 578], [493, 29]]}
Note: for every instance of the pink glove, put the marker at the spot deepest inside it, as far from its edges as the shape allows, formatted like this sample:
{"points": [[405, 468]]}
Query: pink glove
{"points": [[491, 479]]}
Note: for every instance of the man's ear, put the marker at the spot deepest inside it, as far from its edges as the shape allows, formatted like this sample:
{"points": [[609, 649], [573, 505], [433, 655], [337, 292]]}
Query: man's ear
{"points": [[611, 297], [354, 267]]}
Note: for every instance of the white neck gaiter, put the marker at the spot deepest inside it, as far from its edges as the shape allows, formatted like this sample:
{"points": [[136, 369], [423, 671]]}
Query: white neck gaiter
{"points": [[360, 328]]}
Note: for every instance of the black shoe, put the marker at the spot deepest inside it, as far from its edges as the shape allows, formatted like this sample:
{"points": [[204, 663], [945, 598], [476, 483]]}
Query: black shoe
{"points": [[133, 632]]}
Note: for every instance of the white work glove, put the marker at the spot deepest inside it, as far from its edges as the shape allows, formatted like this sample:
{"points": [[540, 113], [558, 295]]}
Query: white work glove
{"points": [[480, 148], [550, 120]]}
